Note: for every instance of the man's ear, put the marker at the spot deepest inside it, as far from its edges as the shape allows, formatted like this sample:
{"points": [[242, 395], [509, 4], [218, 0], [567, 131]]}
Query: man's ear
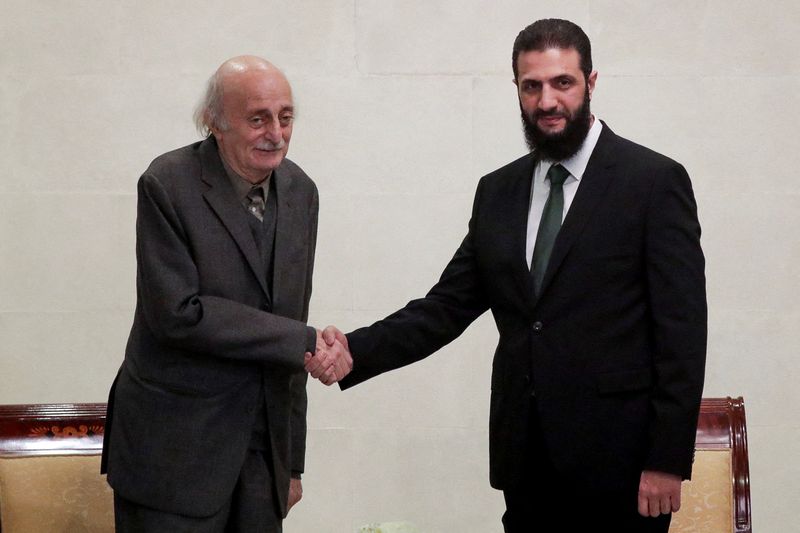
{"points": [[590, 82]]}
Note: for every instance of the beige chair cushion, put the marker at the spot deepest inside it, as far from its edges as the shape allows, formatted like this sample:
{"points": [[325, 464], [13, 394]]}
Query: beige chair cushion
{"points": [[67, 494], [707, 500], [54, 494]]}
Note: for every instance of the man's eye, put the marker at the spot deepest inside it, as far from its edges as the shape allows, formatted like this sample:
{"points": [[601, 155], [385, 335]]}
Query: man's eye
{"points": [[256, 120], [286, 119]]}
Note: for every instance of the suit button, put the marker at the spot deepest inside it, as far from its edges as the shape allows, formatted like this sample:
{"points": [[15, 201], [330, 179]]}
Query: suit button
{"points": [[537, 326]]}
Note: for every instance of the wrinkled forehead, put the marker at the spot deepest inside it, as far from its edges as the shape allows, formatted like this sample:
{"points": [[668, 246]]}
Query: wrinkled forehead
{"points": [[259, 87]]}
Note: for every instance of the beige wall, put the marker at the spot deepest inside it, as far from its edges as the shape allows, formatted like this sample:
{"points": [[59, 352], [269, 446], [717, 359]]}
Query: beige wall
{"points": [[403, 106]]}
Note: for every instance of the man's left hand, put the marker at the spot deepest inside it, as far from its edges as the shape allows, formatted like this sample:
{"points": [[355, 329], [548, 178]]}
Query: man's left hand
{"points": [[295, 492], [659, 493]]}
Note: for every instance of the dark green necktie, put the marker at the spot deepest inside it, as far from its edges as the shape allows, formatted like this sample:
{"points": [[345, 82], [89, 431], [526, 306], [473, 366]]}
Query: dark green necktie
{"points": [[549, 224]]}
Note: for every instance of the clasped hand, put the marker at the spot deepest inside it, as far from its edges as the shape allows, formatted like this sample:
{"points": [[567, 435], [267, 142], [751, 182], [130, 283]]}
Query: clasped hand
{"points": [[332, 360]]}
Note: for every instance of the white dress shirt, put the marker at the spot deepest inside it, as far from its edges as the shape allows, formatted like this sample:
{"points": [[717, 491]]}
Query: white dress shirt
{"points": [[540, 188]]}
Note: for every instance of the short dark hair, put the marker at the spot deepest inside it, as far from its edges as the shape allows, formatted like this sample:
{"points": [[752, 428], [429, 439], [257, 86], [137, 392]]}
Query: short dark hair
{"points": [[553, 33]]}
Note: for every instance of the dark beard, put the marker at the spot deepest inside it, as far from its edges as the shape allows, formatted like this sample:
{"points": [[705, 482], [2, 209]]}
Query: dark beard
{"points": [[562, 145]]}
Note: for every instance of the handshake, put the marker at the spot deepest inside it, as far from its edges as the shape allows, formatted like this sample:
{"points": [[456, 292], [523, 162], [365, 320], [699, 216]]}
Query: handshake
{"points": [[332, 360]]}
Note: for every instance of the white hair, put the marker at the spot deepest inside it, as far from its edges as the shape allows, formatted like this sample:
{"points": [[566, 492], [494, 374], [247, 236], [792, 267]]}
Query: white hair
{"points": [[209, 114]]}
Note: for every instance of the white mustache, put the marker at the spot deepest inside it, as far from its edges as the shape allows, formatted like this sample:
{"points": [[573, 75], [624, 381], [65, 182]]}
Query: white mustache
{"points": [[266, 145]]}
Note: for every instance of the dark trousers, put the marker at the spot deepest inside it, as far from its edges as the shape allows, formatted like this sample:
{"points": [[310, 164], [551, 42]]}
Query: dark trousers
{"points": [[252, 508], [547, 502]]}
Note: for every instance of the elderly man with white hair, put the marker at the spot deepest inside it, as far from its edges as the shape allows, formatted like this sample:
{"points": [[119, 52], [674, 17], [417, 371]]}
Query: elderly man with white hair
{"points": [[207, 416]]}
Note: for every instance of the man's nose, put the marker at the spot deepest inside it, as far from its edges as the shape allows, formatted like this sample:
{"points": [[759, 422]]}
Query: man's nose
{"points": [[548, 100], [273, 132]]}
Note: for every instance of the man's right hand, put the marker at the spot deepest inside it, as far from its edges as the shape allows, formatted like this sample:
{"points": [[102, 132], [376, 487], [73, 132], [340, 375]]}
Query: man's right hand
{"points": [[332, 360]]}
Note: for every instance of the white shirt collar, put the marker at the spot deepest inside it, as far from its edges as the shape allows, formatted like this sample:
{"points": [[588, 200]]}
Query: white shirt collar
{"points": [[578, 162]]}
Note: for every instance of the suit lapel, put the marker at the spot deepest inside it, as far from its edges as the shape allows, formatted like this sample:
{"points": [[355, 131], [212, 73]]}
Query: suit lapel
{"points": [[593, 185], [519, 208], [222, 199], [284, 223]]}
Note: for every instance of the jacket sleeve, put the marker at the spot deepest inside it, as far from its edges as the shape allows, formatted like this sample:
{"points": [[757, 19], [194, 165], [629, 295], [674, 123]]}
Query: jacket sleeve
{"points": [[676, 290], [424, 325], [179, 315]]}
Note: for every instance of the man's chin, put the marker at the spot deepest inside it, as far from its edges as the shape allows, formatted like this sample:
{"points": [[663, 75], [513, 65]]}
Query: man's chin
{"points": [[558, 142], [550, 135]]}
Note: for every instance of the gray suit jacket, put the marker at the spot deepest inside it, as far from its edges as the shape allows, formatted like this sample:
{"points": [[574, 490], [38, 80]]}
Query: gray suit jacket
{"points": [[208, 336]]}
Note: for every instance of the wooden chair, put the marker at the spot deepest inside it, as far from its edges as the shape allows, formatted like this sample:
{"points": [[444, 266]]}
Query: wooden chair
{"points": [[50, 469], [717, 499]]}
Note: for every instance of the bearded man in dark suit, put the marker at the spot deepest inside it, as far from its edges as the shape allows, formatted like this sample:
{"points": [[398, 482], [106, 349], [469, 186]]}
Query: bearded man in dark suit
{"points": [[207, 417], [587, 251]]}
